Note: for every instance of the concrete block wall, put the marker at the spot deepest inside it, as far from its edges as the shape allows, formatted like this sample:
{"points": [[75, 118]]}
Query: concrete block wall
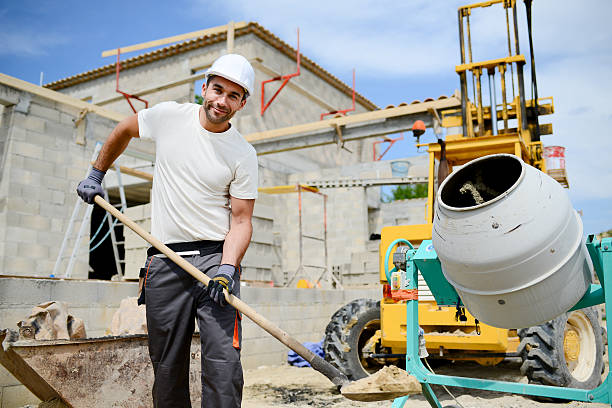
{"points": [[364, 270], [41, 166], [303, 313], [404, 212]]}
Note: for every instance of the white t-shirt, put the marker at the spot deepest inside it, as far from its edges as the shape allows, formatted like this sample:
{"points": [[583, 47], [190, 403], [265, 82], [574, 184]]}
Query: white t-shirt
{"points": [[196, 171]]}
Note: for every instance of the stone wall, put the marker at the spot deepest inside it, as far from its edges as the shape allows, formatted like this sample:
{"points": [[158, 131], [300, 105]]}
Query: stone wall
{"points": [[303, 313]]}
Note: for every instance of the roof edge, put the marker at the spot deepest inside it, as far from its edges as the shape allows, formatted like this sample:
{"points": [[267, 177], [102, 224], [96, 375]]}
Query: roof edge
{"points": [[251, 28]]}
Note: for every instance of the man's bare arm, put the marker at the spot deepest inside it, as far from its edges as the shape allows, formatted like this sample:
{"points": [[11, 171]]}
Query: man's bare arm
{"points": [[117, 142], [239, 235]]}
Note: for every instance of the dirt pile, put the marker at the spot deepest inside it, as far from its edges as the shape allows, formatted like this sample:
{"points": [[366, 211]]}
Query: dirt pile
{"points": [[388, 383]]}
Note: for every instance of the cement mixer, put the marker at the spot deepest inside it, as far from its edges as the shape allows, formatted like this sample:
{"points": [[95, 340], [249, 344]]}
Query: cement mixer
{"points": [[510, 242], [508, 246]]}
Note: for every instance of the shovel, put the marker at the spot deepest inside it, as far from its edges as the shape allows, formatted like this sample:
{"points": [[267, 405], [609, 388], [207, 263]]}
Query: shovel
{"points": [[322, 366]]}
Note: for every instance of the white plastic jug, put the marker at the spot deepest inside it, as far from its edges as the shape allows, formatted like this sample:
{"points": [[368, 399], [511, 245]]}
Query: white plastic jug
{"points": [[510, 242]]}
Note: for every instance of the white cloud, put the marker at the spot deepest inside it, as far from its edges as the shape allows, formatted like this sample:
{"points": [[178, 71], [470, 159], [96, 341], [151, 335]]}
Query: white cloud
{"points": [[582, 120], [378, 38], [397, 41], [27, 44]]}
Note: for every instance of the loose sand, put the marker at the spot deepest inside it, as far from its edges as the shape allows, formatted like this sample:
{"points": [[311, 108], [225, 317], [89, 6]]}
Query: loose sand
{"points": [[287, 386], [388, 383]]}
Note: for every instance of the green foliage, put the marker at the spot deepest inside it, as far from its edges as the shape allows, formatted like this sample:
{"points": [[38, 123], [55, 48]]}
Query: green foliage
{"points": [[406, 192], [604, 234], [199, 100]]}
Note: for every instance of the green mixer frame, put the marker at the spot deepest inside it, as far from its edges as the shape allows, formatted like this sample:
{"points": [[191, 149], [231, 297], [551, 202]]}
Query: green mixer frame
{"points": [[425, 260]]}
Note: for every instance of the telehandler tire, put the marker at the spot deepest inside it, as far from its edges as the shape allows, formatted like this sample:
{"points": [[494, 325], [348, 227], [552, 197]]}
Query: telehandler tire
{"points": [[565, 352], [348, 331]]}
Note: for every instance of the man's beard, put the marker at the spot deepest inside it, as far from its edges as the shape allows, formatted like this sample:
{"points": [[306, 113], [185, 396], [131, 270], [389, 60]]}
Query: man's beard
{"points": [[216, 119]]}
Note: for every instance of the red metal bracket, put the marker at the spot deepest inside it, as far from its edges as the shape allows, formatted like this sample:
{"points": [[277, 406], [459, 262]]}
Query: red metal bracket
{"points": [[344, 111], [405, 294], [385, 140], [284, 78], [125, 94]]}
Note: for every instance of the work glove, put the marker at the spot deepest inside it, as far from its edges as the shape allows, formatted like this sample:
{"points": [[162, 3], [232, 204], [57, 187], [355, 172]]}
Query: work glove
{"points": [[223, 279], [89, 188]]}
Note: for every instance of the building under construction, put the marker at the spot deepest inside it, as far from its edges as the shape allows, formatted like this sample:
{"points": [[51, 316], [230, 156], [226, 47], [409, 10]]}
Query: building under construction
{"points": [[319, 165], [317, 220]]}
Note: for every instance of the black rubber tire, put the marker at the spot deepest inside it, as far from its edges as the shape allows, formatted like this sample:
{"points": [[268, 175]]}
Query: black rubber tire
{"points": [[346, 334], [543, 351]]}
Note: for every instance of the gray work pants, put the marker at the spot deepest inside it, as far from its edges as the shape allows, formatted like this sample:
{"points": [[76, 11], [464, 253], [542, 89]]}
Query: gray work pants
{"points": [[174, 299]]}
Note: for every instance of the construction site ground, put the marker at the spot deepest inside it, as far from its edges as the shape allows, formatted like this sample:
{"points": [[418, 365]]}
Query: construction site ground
{"points": [[284, 386]]}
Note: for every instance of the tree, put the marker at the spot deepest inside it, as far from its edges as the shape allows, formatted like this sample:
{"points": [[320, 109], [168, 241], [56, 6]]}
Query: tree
{"points": [[199, 100], [406, 192], [606, 234]]}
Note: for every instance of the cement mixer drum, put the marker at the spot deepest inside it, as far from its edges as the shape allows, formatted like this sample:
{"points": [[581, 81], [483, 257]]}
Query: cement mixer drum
{"points": [[510, 242]]}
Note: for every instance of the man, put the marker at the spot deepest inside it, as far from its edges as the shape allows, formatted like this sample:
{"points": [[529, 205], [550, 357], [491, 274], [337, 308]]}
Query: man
{"points": [[204, 171]]}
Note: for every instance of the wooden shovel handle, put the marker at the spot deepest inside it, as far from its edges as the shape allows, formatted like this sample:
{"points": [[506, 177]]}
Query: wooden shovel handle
{"points": [[315, 361]]}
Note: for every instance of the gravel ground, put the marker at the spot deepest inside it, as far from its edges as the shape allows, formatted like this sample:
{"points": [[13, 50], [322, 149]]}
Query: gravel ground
{"points": [[283, 386]]}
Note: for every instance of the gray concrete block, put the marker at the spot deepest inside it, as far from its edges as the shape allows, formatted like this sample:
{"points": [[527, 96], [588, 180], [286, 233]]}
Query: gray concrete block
{"points": [[38, 165], [30, 122], [19, 234], [52, 239], [55, 155], [13, 221], [14, 161], [67, 118], [59, 197], [19, 266], [32, 250], [44, 266], [60, 130], [39, 139], [60, 171], [46, 112], [31, 192], [53, 210], [13, 189], [22, 176], [18, 134], [76, 173], [263, 211], [7, 248], [57, 224], [26, 149]]}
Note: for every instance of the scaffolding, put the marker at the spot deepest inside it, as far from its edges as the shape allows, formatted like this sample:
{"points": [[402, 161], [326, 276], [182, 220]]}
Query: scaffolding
{"points": [[300, 271]]}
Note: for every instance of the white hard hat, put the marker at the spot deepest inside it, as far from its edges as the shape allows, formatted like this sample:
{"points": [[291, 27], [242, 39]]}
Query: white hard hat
{"points": [[235, 68]]}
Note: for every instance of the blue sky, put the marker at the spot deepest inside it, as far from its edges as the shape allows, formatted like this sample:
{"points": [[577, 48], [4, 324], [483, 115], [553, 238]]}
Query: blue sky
{"points": [[401, 51]]}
